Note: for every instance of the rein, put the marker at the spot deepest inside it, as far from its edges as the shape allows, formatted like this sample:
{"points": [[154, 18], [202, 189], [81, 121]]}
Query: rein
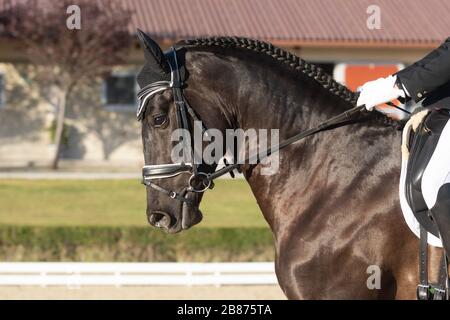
{"points": [[328, 124], [183, 109]]}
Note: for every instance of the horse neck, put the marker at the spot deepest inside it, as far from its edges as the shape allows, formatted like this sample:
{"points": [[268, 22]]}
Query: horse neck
{"points": [[290, 104], [252, 94]]}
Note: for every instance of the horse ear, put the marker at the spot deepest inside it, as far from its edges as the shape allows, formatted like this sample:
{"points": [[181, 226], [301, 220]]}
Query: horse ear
{"points": [[153, 54]]}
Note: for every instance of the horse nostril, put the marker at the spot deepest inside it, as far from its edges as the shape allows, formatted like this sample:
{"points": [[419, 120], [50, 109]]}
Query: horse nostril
{"points": [[159, 219]]}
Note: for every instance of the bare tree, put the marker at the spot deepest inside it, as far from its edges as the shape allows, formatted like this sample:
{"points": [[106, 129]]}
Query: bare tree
{"points": [[68, 44]]}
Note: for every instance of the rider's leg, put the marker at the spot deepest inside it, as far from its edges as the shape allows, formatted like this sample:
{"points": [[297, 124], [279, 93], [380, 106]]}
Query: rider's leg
{"points": [[436, 186]]}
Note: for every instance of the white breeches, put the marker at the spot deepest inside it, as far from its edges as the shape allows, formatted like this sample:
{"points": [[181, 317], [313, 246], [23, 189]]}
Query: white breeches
{"points": [[437, 172]]}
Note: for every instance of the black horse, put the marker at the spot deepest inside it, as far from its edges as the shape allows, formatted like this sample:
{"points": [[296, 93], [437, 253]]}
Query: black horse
{"points": [[333, 207]]}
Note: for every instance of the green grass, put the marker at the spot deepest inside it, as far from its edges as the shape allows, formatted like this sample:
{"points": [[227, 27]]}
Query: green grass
{"points": [[114, 203], [67, 220]]}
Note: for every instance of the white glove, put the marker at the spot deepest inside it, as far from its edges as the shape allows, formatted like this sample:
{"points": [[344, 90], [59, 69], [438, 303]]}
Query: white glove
{"points": [[380, 91]]}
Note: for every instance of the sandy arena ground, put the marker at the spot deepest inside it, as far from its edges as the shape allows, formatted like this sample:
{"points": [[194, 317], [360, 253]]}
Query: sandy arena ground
{"points": [[145, 293]]}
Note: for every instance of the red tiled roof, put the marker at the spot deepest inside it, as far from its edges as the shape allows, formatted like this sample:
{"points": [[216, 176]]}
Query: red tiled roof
{"points": [[294, 22], [403, 22]]}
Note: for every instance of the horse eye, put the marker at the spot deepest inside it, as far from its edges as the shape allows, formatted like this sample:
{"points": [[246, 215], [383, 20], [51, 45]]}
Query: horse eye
{"points": [[160, 120]]}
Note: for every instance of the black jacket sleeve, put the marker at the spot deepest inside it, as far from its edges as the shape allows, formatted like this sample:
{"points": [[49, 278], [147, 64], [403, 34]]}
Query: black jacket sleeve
{"points": [[428, 74]]}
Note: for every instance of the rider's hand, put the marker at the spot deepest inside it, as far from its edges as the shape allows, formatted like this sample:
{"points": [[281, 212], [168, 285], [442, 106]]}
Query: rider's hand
{"points": [[380, 91]]}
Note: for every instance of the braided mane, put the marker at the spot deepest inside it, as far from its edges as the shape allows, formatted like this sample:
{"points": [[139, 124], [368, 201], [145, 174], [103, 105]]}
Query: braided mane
{"points": [[284, 57]]}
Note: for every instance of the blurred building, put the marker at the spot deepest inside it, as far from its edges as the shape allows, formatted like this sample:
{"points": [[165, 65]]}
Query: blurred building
{"points": [[339, 35]]}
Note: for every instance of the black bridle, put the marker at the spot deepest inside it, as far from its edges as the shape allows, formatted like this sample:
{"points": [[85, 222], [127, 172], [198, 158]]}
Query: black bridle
{"points": [[183, 109], [201, 181]]}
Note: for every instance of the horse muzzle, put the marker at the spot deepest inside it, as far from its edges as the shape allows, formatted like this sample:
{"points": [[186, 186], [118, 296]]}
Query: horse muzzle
{"points": [[190, 216]]}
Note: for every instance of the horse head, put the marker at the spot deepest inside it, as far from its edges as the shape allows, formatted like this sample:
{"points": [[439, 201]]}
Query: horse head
{"points": [[175, 180]]}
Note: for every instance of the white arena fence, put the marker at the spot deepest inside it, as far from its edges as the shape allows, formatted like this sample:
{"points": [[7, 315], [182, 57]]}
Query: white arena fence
{"points": [[76, 274]]}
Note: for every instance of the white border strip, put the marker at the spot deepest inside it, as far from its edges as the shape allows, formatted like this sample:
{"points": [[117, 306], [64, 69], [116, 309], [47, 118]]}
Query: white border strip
{"points": [[78, 274]]}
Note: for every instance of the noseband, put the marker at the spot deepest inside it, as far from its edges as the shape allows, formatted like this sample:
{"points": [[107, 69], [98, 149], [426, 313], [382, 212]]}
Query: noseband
{"points": [[201, 181]]}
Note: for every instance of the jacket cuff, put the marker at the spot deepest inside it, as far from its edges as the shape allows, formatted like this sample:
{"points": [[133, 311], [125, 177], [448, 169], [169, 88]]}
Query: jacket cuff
{"points": [[416, 93]]}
